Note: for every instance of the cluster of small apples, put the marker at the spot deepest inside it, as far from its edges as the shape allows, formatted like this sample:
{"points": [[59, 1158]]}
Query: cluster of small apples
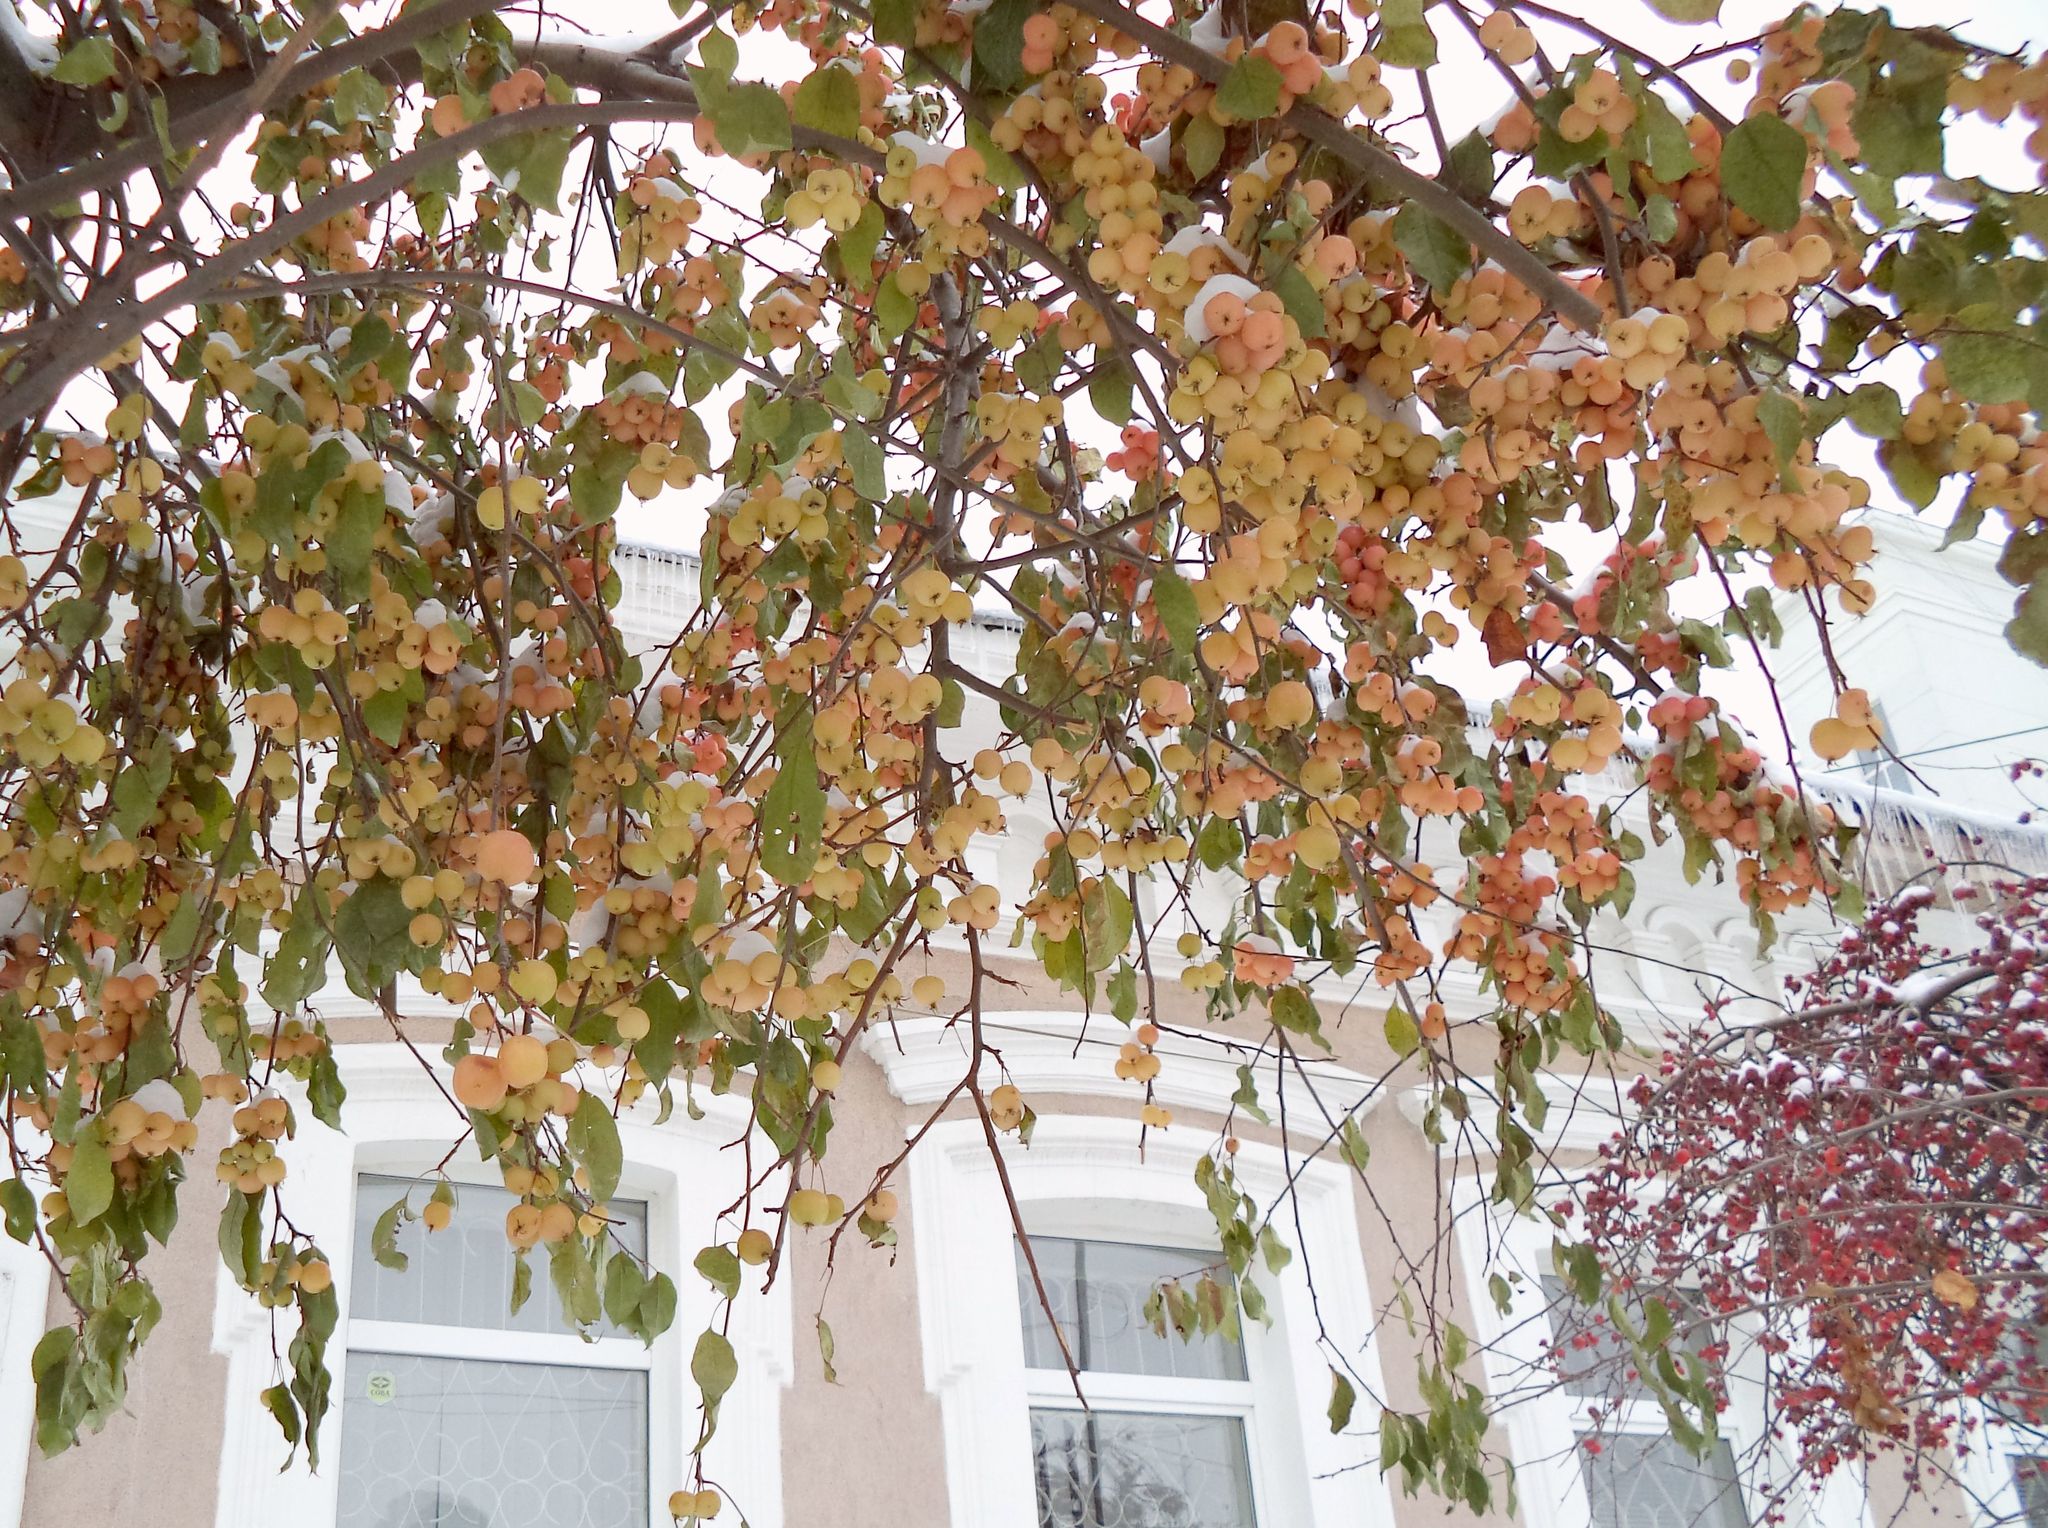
{"points": [[1015, 427], [694, 1506], [522, 1082], [656, 214], [945, 191], [1502, 932], [82, 460], [1137, 457], [250, 1162], [1290, 49], [1712, 780], [1503, 34], [148, 1124], [336, 244], [292, 1040], [1162, 90], [780, 320], [42, 729], [517, 91], [448, 367], [1852, 729], [829, 195], [1565, 827]]}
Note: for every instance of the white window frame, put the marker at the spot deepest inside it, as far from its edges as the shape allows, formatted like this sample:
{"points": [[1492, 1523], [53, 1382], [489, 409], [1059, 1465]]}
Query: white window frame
{"points": [[1542, 1424], [426, 1339], [1084, 1175], [24, 1317], [399, 1124], [1171, 1227]]}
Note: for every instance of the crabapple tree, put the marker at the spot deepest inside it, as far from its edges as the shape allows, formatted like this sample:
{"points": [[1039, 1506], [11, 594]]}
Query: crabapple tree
{"points": [[1202, 340], [1857, 1185]]}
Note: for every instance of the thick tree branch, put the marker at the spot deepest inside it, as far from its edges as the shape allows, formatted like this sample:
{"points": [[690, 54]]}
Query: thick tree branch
{"points": [[1325, 131]]}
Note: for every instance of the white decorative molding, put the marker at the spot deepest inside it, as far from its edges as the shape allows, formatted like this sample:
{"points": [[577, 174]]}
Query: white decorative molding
{"points": [[398, 1121], [24, 1314], [1081, 1173], [1070, 1054]]}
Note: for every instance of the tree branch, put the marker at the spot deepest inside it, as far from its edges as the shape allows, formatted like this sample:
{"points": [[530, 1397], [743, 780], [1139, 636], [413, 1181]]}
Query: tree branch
{"points": [[1325, 131]]}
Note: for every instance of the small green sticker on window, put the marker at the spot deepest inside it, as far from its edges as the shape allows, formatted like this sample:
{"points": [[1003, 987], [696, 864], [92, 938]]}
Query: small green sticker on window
{"points": [[381, 1388]]}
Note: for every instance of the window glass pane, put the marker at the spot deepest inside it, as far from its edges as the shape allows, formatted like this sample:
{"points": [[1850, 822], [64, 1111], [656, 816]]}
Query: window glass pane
{"points": [[2030, 1479], [1592, 1359], [460, 1275], [1116, 1469], [1099, 1290], [465, 1443], [1645, 1480]]}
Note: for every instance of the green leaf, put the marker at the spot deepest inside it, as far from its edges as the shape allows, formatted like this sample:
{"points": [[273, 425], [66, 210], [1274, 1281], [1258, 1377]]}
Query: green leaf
{"points": [[1763, 169], [1275, 1251], [1251, 90], [1402, 1035], [1178, 613], [828, 1350], [1406, 42], [1106, 922], [1660, 218], [1784, 422], [864, 459], [1435, 250], [857, 246], [895, 23], [720, 1268], [713, 1366], [750, 119], [793, 811], [1690, 12], [1666, 147], [2028, 629], [87, 63], [1292, 1009], [89, 1184], [240, 1238], [1990, 368], [1303, 303], [1469, 168], [19, 1205], [1342, 1398], [720, 55], [1916, 481], [999, 43], [384, 1238], [624, 1283], [1898, 116], [370, 934], [829, 100], [594, 1140], [1202, 143], [1109, 391], [538, 159], [1874, 411], [574, 1276], [658, 1305], [277, 1400], [895, 309]]}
